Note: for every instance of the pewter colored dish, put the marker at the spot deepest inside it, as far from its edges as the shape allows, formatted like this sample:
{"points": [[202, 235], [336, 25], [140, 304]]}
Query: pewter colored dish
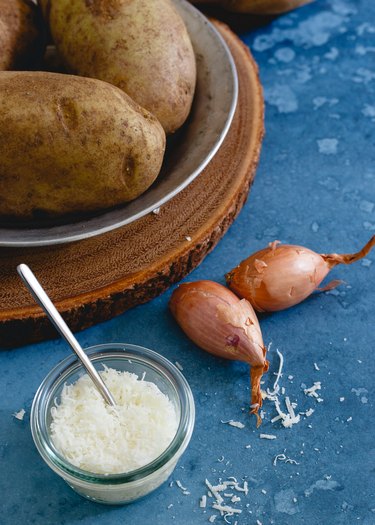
{"points": [[189, 150]]}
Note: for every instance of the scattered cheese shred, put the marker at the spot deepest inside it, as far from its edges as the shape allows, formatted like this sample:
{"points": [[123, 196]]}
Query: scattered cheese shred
{"points": [[226, 509], [267, 436], [289, 418], [216, 494], [279, 373], [179, 366], [283, 457], [99, 438], [20, 414], [180, 486], [312, 390], [156, 211], [232, 423]]}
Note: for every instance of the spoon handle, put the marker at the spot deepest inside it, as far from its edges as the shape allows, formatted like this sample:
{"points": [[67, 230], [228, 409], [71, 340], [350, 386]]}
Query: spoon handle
{"points": [[45, 302]]}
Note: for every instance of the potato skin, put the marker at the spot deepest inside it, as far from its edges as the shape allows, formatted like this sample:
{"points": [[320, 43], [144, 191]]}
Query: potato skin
{"points": [[22, 35], [70, 145], [141, 46]]}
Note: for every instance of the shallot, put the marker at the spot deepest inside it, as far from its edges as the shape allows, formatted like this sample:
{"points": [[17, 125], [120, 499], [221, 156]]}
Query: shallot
{"points": [[220, 323], [283, 275]]}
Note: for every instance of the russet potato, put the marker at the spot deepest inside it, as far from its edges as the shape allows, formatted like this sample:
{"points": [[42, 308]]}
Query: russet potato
{"points": [[141, 46], [71, 145], [22, 37]]}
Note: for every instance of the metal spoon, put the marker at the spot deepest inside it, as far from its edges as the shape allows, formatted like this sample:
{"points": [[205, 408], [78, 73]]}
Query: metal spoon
{"points": [[45, 302]]}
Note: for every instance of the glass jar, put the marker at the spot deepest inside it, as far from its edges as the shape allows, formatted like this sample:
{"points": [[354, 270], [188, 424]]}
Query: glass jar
{"points": [[129, 486]]}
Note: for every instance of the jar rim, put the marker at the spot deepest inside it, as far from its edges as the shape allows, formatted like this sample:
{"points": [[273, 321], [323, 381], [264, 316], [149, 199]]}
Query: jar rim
{"points": [[99, 352]]}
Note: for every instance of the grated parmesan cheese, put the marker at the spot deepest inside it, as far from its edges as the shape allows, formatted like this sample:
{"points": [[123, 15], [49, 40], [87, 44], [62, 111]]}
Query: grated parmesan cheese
{"points": [[180, 485], [99, 438], [226, 509], [232, 423], [20, 414], [267, 436], [312, 390], [290, 418]]}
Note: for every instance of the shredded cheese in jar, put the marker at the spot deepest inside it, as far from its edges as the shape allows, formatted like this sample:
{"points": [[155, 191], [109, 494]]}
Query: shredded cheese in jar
{"points": [[102, 439]]}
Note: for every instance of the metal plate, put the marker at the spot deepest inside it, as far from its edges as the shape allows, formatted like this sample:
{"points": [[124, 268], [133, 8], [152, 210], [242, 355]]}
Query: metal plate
{"points": [[188, 151]]}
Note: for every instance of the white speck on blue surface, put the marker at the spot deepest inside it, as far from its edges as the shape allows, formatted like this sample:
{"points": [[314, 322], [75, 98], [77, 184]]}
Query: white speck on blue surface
{"points": [[366, 27], [285, 54], [363, 75], [322, 484], [369, 226], [315, 31], [321, 101], [368, 111], [362, 50], [327, 146], [343, 7], [282, 97], [366, 206], [332, 54], [285, 502]]}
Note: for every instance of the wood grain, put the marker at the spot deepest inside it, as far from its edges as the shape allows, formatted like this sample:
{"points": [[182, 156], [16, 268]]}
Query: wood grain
{"points": [[96, 279]]}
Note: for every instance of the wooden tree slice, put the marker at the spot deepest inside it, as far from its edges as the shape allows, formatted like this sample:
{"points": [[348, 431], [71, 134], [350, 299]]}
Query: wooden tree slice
{"points": [[96, 279]]}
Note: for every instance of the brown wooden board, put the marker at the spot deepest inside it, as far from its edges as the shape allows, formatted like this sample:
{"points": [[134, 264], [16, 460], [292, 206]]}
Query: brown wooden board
{"points": [[96, 279]]}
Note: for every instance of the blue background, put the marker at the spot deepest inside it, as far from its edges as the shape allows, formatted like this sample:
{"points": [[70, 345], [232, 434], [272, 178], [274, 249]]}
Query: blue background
{"points": [[315, 186]]}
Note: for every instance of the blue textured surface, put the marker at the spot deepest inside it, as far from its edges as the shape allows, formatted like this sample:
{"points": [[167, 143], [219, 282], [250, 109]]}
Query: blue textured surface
{"points": [[315, 186]]}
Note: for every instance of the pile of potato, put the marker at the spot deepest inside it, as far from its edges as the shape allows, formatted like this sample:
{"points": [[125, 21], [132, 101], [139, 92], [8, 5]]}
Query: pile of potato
{"points": [[94, 138]]}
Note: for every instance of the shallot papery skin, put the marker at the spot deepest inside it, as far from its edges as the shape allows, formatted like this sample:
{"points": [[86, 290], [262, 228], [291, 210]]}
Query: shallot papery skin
{"points": [[283, 275], [220, 323]]}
